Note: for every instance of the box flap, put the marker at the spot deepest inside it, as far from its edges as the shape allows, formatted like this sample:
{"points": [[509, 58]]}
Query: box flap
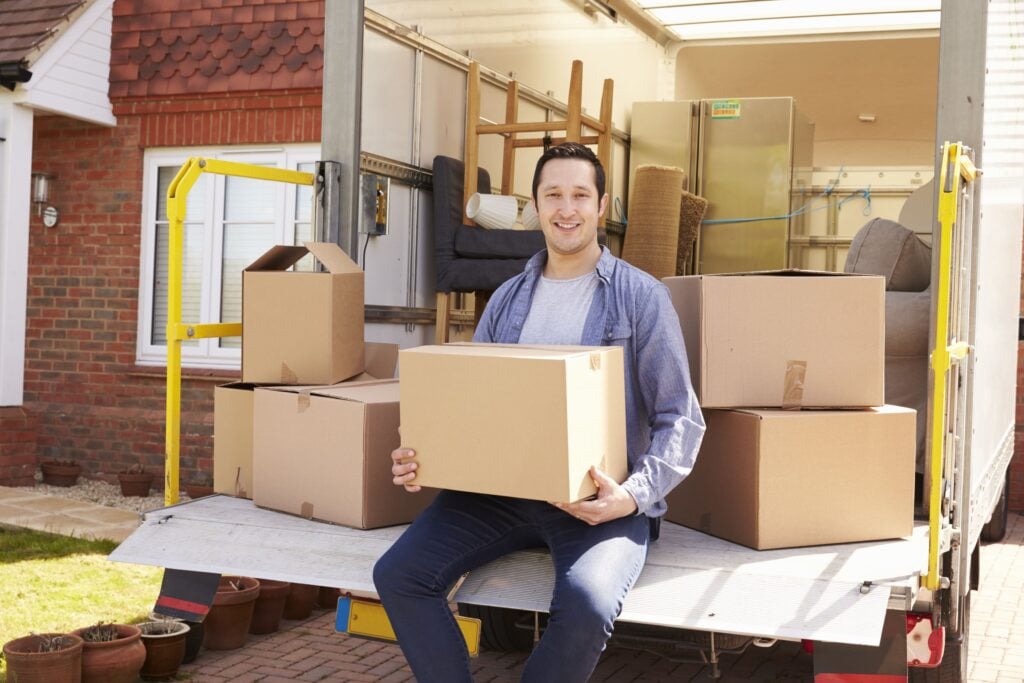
{"points": [[334, 259], [381, 360], [280, 257], [372, 391], [532, 351], [787, 272]]}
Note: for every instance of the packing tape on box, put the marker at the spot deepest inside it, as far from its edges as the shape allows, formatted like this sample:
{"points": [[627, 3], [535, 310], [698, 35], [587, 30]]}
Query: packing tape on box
{"points": [[287, 376], [793, 389], [595, 361], [306, 510], [303, 399]]}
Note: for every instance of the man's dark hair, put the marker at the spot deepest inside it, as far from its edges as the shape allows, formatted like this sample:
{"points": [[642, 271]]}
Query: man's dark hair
{"points": [[570, 150]]}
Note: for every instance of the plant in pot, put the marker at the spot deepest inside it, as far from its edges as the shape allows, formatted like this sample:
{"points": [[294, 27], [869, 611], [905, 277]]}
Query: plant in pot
{"points": [[226, 626], [201, 484], [60, 472], [266, 616], [301, 599], [165, 648], [111, 653], [135, 481], [44, 658]]}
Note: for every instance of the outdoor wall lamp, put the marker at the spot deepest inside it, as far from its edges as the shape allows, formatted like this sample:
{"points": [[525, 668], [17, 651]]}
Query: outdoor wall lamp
{"points": [[41, 197]]}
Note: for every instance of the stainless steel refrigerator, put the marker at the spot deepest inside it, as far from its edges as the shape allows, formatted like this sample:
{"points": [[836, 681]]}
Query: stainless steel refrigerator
{"points": [[749, 157]]}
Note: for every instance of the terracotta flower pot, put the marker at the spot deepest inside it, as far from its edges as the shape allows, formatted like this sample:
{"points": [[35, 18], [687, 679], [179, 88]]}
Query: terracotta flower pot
{"points": [[26, 664], [301, 599], [60, 473], [328, 597], [227, 623], [165, 648], [198, 490], [266, 616], [135, 484], [113, 661]]}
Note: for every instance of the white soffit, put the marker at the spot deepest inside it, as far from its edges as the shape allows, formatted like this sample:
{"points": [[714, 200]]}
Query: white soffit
{"points": [[701, 20]]}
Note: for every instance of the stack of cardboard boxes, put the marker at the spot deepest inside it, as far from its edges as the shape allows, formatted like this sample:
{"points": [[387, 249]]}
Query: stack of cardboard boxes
{"points": [[800, 448], [310, 428]]}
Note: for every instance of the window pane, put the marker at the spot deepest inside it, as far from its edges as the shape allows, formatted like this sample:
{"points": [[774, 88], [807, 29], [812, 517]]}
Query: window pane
{"points": [[192, 284], [243, 244], [248, 199], [195, 204]]}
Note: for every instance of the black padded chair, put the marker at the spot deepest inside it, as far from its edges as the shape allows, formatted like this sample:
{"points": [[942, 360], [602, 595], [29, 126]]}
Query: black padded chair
{"points": [[469, 258]]}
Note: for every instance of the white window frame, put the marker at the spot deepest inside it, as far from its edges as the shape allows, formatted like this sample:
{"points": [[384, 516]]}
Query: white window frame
{"points": [[207, 353]]}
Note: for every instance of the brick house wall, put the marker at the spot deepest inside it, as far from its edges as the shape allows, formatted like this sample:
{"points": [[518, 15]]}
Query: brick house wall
{"points": [[183, 74]]}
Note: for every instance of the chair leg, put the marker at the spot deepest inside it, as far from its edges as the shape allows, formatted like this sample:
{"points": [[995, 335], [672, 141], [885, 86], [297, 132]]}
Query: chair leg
{"points": [[480, 299], [443, 324]]}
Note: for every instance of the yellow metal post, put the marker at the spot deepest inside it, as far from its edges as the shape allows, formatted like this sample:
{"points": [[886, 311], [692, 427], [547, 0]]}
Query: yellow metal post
{"points": [[177, 331], [955, 167]]}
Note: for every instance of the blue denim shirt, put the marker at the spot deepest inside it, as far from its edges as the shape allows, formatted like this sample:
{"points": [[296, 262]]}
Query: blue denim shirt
{"points": [[630, 309]]}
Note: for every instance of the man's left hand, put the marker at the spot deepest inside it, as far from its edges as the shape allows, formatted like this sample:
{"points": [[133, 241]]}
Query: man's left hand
{"points": [[612, 501]]}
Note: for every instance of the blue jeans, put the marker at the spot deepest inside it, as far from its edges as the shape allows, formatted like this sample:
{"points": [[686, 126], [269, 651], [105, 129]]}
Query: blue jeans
{"points": [[595, 566]]}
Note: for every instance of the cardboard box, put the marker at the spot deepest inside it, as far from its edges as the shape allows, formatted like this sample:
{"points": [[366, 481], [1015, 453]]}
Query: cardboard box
{"points": [[302, 327], [232, 421], [784, 339], [232, 439], [514, 420], [325, 453], [791, 478]]}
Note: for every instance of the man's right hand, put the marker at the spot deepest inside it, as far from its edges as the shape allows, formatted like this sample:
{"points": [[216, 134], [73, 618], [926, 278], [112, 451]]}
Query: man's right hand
{"points": [[404, 468]]}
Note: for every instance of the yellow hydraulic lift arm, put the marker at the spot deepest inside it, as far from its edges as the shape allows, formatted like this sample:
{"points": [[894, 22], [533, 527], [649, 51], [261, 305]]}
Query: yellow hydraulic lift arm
{"points": [[956, 171], [177, 331]]}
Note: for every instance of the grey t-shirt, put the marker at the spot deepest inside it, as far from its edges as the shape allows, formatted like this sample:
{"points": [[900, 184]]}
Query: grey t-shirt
{"points": [[558, 310]]}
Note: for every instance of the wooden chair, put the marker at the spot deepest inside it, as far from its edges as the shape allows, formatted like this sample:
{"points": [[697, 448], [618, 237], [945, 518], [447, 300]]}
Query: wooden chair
{"points": [[571, 129]]}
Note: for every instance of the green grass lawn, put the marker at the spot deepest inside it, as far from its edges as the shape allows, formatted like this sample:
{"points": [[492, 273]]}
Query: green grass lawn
{"points": [[52, 583]]}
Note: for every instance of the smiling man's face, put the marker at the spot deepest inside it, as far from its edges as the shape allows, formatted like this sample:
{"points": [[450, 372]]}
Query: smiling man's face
{"points": [[568, 205]]}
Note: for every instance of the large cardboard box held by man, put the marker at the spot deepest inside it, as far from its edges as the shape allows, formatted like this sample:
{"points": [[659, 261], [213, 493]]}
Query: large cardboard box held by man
{"points": [[514, 420], [325, 453], [302, 327], [232, 421], [790, 478], [783, 339]]}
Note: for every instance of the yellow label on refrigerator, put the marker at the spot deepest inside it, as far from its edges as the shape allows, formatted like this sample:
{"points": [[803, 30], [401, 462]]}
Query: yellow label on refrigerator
{"points": [[725, 109]]}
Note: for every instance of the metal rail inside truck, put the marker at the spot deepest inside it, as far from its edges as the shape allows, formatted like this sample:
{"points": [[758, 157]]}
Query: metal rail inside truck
{"points": [[907, 599]]}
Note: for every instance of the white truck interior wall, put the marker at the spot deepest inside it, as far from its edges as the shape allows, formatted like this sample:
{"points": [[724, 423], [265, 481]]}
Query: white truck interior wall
{"points": [[389, 129], [894, 80]]}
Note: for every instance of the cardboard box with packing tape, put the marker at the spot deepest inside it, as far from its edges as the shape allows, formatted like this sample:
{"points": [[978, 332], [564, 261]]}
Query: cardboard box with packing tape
{"points": [[324, 453], [302, 327], [514, 420], [233, 421], [791, 478], [785, 339]]}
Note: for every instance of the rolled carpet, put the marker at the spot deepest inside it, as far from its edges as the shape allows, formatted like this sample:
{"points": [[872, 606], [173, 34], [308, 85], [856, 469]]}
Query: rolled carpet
{"points": [[652, 236], [691, 212]]}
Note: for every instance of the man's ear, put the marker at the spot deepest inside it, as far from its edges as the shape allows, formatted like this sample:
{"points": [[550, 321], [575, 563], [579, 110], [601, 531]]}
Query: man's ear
{"points": [[603, 206]]}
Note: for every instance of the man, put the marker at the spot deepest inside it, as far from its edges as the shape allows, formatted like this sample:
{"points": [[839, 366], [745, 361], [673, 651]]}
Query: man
{"points": [[574, 292]]}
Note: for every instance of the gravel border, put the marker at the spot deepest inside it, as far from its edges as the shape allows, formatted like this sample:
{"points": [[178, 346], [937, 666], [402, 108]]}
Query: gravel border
{"points": [[101, 493]]}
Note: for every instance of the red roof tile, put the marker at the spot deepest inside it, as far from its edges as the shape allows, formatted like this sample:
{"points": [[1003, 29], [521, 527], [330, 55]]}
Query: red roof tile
{"points": [[166, 47], [25, 25]]}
